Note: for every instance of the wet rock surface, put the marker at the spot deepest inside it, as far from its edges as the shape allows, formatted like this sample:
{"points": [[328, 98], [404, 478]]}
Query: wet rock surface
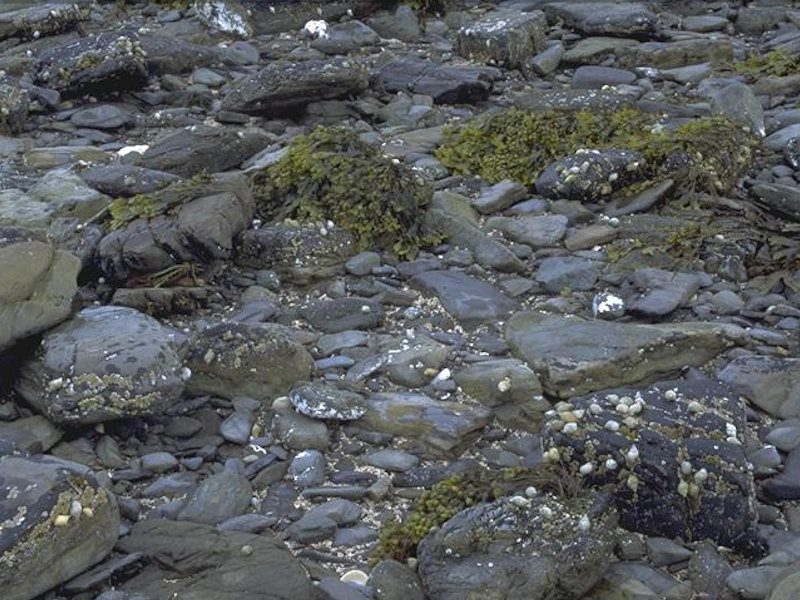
{"points": [[426, 300]]}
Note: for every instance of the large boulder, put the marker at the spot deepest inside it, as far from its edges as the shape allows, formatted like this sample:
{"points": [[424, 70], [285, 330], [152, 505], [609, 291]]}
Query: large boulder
{"points": [[106, 363], [769, 382], [39, 285], [42, 19], [56, 523], [286, 87], [447, 85], [671, 454], [543, 547], [574, 356], [629, 19], [503, 37]]}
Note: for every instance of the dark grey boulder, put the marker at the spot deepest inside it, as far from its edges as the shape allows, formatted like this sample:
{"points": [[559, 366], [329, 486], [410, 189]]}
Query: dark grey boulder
{"points": [[285, 87], [534, 230], [57, 522], [559, 273], [655, 292], [173, 54], [192, 222], [104, 116], [343, 314], [286, 15], [259, 360], [31, 435], [327, 402], [191, 560], [791, 153], [470, 301], [106, 363], [39, 285], [106, 63], [126, 180], [346, 38], [590, 76], [45, 19], [503, 37], [203, 148], [628, 19], [771, 383], [590, 174], [670, 453], [669, 55], [226, 16], [14, 106], [447, 85], [395, 581], [502, 550], [783, 200], [220, 497]]}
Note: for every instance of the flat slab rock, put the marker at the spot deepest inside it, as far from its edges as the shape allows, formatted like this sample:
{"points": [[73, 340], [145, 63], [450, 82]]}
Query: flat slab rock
{"points": [[447, 85], [54, 515], [574, 356], [507, 37], [106, 363], [675, 464], [191, 560], [604, 18]]}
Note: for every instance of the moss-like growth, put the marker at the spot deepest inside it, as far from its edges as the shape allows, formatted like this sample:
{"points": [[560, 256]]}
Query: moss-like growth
{"points": [[777, 62], [331, 174], [399, 539], [518, 145]]}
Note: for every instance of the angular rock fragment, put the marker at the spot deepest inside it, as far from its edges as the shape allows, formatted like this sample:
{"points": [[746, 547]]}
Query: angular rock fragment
{"points": [[503, 37], [447, 85]]}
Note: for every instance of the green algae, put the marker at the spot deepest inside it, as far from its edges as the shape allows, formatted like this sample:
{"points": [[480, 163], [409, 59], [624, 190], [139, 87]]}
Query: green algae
{"points": [[779, 63]]}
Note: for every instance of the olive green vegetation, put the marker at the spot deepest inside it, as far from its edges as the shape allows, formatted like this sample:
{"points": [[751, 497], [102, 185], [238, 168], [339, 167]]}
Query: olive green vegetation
{"points": [[398, 539], [779, 62], [331, 174], [518, 145]]}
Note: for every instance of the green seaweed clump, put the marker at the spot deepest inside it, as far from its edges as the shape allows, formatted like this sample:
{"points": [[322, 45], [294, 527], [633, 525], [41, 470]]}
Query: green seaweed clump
{"points": [[330, 174], [518, 145], [776, 62], [398, 539]]}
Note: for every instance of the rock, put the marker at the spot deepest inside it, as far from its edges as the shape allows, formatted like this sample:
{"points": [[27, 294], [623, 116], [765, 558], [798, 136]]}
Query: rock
{"points": [[392, 580], [604, 18], [104, 116], [415, 362], [510, 388], [778, 139], [708, 571], [296, 431], [531, 556], [196, 558], [236, 427], [298, 253], [534, 230], [106, 363], [169, 54], [342, 314], [67, 195], [595, 50], [403, 24], [54, 514], [589, 174], [547, 60], [45, 19], [660, 292], [64, 156], [106, 63], [786, 485], [590, 236], [738, 102], [187, 222], [31, 435], [675, 465], [220, 497], [499, 197], [159, 462], [14, 104], [787, 588], [592, 77], [503, 37], [126, 180], [327, 402], [39, 285], [447, 85], [286, 87], [432, 428], [391, 460], [574, 356], [669, 55], [308, 468], [771, 383], [203, 148], [791, 153], [663, 551], [559, 273], [331, 343], [227, 16], [783, 200], [470, 301], [259, 360], [346, 38], [362, 263]]}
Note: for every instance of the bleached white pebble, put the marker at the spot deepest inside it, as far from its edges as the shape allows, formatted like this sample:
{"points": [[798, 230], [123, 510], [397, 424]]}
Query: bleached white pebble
{"points": [[611, 464], [584, 524], [671, 395], [611, 425], [686, 467], [586, 468], [700, 476], [355, 576], [632, 454], [570, 428]]}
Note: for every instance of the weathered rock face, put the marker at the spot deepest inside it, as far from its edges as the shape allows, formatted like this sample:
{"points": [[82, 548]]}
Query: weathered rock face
{"points": [[589, 174], [503, 37], [106, 363], [574, 356], [57, 522], [45, 19], [282, 87], [39, 285], [671, 454], [14, 105], [192, 221], [604, 18], [260, 360], [196, 558], [447, 85], [284, 15], [99, 65], [519, 552], [771, 383]]}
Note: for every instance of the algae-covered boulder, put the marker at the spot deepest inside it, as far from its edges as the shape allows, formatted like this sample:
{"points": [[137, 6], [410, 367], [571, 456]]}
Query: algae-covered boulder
{"points": [[56, 523], [332, 175]]}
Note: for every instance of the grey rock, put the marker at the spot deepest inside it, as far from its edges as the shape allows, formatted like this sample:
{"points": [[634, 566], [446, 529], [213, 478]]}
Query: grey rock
{"points": [[500, 196], [42, 19], [67, 195], [727, 302], [104, 116], [447, 85], [31, 435], [402, 24], [55, 514], [755, 20], [159, 462], [587, 237], [604, 18], [327, 402], [259, 360], [784, 435], [39, 285], [783, 200], [126, 180], [236, 427], [218, 498], [591, 77], [705, 23], [249, 523], [334, 589], [391, 460], [558, 273], [392, 580], [791, 153], [333, 342], [362, 264], [787, 588], [342, 314], [754, 582], [670, 55], [64, 156], [408, 364], [574, 355], [308, 468], [771, 383], [596, 49], [283, 87], [689, 75], [503, 37], [239, 54], [663, 551], [534, 230], [357, 535], [589, 174], [564, 563], [299, 432], [708, 571], [14, 103], [431, 428], [779, 139], [198, 557], [170, 54], [786, 485], [547, 60], [106, 363], [470, 301], [227, 16], [659, 292], [346, 38], [738, 102]]}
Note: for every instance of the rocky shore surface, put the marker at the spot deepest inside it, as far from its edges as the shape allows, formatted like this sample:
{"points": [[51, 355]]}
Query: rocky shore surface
{"points": [[363, 300]]}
